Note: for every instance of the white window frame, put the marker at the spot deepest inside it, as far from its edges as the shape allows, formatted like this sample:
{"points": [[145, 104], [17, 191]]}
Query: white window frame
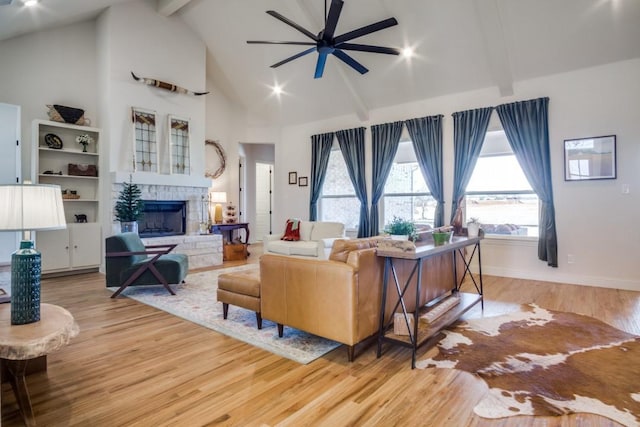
{"points": [[323, 197], [501, 193], [383, 219]]}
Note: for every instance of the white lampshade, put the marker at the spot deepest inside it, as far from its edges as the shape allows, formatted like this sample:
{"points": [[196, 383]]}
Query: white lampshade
{"points": [[218, 197], [31, 207]]}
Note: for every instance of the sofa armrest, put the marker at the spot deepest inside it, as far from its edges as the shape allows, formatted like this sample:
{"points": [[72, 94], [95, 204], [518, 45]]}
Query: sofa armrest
{"points": [[271, 237]]}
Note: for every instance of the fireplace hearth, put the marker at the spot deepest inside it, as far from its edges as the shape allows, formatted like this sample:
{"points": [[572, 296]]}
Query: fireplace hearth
{"points": [[163, 218]]}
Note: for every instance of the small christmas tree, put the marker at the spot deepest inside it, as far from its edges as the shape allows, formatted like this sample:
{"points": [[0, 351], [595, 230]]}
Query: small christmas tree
{"points": [[129, 205]]}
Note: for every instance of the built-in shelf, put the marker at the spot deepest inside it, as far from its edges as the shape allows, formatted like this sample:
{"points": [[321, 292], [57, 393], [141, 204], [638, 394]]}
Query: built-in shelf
{"points": [[79, 246]]}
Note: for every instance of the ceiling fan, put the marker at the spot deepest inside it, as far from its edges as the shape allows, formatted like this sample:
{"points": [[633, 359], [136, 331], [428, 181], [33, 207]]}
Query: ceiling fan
{"points": [[325, 43]]}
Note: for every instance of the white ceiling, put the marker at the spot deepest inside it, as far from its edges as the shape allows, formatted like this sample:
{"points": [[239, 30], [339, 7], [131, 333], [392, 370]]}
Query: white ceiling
{"points": [[460, 45]]}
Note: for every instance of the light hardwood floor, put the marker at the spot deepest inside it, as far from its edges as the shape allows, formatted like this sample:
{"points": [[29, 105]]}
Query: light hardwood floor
{"points": [[135, 365]]}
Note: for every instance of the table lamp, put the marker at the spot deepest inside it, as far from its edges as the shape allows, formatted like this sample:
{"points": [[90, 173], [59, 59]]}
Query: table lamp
{"points": [[218, 197], [26, 208]]}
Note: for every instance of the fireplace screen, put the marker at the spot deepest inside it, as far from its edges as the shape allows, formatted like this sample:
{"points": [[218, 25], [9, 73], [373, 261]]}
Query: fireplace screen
{"points": [[163, 218]]}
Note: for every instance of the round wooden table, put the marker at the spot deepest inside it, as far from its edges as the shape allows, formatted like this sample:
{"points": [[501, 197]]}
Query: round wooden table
{"points": [[21, 343]]}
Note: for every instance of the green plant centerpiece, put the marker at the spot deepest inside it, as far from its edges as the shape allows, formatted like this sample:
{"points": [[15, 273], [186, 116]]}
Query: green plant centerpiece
{"points": [[129, 207], [401, 227]]}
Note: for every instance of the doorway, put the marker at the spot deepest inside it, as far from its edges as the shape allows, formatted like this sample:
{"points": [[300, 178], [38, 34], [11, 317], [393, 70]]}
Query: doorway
{"points": [[264, 199], [10, 169]]}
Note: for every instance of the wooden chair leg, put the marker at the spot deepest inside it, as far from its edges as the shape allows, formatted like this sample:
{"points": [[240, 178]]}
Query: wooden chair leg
{"points": [[225, 310], [351, 349], [259, 319], [280, 330]]}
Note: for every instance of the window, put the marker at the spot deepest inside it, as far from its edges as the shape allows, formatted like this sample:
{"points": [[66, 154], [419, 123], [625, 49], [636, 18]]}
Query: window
{"points": [[338, 201], [406, 194], [498, 193], [179, 145], [145, 154]]}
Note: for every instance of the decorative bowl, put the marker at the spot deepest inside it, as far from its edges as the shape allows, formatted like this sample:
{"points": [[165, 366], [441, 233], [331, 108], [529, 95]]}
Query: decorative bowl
{"points": [[440, 238]]}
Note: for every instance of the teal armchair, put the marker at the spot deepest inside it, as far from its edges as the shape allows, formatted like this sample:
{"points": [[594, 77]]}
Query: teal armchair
{"points": [[130, 263]]}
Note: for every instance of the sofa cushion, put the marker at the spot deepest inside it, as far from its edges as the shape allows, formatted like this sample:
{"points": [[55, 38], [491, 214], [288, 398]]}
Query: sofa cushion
{"points": [[323, 230], [292, 230], [305, 229], [293, 248], [342, 247]]}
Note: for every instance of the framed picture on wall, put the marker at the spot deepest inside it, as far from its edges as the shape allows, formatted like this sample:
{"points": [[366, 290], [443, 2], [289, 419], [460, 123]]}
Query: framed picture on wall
{"points": [[293, 178], [590, 158], [303, 181]]}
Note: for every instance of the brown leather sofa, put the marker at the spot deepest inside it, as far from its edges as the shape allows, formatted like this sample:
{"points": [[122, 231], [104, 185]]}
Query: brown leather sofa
{"points": [[340, 298]]}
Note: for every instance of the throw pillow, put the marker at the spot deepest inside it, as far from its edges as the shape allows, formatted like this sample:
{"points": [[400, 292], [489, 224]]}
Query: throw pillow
{"points": [[292, 230]]}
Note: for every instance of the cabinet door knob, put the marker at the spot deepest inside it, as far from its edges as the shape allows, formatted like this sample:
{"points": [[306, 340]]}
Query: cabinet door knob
{"points": [[66, 247]]}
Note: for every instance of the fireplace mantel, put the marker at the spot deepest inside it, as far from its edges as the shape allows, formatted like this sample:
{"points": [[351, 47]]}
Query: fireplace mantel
{"points": [[150, 178]]}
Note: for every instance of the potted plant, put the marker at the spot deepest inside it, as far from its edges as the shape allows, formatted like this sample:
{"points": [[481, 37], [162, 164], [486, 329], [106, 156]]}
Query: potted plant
{"points": [[473, 227], [129, 207], [401, 229]]}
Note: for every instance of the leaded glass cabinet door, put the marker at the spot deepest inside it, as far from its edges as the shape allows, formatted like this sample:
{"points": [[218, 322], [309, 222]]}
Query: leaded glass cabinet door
{"points": [[179, 152], [145, 153]]}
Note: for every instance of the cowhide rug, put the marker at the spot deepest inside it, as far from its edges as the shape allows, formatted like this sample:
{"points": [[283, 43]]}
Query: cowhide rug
{"points": [[542, 362]]}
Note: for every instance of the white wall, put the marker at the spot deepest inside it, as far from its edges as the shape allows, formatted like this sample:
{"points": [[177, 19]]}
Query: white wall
{"points": [[134, 38], [49, 67], [595, 221]]}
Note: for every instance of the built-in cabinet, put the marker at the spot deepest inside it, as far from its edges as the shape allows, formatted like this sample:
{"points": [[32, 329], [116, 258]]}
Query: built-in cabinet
{"points": [[77, 247], [59, 159]]}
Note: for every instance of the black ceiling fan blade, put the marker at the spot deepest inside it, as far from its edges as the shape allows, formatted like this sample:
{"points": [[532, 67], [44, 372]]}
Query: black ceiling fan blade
{"points": [[369, 48], [368, 29], [281, 42], [322, 60], [332, 19], [350, 61], [293, 24], [296, 56]]}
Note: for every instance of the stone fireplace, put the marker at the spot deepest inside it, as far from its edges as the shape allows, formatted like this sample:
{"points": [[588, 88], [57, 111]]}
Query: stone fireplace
{"points": [[163, 218], [202, 250], [191, 196]]}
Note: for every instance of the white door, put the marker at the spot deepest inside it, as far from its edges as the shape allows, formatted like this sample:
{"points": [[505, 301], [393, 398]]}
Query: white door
{"points": [[264, 199], [9, 169]]}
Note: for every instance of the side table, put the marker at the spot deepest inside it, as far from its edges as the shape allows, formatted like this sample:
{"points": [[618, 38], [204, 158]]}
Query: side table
{"points": [[21, 343]]}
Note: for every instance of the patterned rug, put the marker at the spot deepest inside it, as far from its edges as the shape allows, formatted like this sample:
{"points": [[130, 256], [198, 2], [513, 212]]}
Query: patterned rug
{"points": [[196, 302], [543, 362]]}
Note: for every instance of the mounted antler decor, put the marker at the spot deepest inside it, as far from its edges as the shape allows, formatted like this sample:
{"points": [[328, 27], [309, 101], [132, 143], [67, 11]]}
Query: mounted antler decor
{"points": [[165, 85]]}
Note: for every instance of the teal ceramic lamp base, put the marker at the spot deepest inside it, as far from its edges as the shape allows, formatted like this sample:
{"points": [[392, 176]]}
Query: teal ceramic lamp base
{"points": [[25, 284]]}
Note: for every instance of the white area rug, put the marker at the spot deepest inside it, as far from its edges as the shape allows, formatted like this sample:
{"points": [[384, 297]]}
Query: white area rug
{"points": [[196, 302]]}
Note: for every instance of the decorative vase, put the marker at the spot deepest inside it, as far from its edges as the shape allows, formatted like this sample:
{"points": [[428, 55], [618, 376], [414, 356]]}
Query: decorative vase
{"points": [[25, 284], [129, 226], [473, 228]]}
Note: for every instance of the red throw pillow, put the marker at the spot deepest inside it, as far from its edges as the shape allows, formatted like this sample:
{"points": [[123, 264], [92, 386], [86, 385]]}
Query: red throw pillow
{"points": [[292, 230]]}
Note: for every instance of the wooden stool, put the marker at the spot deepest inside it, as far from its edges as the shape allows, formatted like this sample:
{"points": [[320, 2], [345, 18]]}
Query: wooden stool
{"points": [[241, 289]]}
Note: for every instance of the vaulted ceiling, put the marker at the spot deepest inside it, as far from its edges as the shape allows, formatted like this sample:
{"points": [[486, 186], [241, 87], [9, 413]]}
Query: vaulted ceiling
{"points": [[459, 45]]}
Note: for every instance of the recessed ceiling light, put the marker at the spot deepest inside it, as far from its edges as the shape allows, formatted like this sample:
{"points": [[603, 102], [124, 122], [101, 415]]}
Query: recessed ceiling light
{"points": [[29, 3], [277, 90], [408, 52]]}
